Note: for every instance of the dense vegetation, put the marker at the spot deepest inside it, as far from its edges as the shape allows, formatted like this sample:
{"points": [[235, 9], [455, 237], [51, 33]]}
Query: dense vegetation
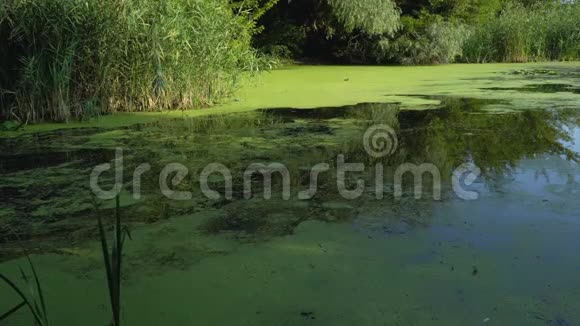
{"points": [[428, 31], [68, 59], [544, 31], [61, 60]]}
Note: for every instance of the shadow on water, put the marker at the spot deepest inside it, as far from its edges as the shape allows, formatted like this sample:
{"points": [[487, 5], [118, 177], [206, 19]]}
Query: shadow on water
{"points": [[457, 131], [539, 88], [39, 160], [360, 111]]}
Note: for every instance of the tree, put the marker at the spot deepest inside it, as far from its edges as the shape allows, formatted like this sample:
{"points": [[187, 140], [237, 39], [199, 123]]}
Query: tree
{"points": [[323, 29], [469, 11], [373, 17]]}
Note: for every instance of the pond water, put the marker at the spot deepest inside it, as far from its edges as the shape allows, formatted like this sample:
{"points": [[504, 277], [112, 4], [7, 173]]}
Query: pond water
{"points": [[385, 255]]}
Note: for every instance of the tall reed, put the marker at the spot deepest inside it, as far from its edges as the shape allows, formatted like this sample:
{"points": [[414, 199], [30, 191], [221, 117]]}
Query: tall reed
{"points": [[546, 31], [79, 58]]}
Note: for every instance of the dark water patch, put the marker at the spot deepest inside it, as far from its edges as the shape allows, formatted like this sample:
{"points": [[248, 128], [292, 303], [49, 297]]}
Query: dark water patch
{"points": [[547, 72], [312, 129], [497, 79], [448, 110], [314, 114], [257, 219], [207, 125], [44, 143], [9, 192], [539, 88], [534, 72], [558, 321], [357, 111], [397, 228], [67, 133], [468, 104], [38, 160]]}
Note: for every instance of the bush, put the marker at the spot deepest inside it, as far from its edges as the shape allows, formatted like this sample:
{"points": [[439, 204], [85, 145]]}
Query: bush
{"points": [[78, 58], [425, 41], [282, 40]]}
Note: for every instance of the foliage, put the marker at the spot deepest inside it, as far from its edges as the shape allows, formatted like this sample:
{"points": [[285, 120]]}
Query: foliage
{"points": [[468, 11], [327, 28], [71, 59], [373, 17], [113, 262], [544, 31], [282, 40], [424, 31], [253, 10], [423, 42], [75, 59], [34, 301]]}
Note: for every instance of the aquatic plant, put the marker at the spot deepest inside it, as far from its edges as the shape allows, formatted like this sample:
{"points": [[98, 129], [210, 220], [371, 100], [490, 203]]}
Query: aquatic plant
{"points": [[113, 261], [34, 300], [62, 60]]}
